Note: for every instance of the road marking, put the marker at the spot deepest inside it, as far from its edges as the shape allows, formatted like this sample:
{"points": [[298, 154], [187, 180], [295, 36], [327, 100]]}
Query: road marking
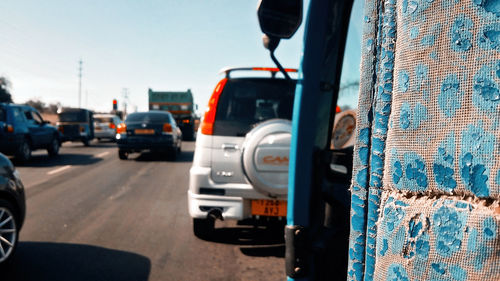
{"points": [[100, 155], [59, 170]]}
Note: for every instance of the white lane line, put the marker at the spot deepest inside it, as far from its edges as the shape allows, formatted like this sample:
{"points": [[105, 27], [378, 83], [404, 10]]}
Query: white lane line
{"points": [[100, 155], [59, 170]]}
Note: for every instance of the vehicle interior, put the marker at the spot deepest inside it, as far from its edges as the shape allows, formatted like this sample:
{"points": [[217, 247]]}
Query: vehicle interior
{"points": [[410, 211]]}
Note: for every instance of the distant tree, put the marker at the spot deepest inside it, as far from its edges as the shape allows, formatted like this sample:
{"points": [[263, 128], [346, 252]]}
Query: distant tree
{"points": [[4, 90], [53, 107], [37, 104], [349, 87]]}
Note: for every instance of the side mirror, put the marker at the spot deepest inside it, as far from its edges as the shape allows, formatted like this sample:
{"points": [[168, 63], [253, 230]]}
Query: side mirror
{"points": [[280, 18]]}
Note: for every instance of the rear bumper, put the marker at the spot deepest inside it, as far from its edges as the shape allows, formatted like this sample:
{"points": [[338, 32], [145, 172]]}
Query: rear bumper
{"points": [[105, 134], [163, 143], [74, 137], [234, 204], [231, 207]]}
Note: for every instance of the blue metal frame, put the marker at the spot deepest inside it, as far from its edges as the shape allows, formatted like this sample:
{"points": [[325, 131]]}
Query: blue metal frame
{"points": [[304, 123]]}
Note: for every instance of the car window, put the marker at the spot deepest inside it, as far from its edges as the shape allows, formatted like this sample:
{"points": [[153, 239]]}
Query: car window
{"points": [[349, 79], [73, 116], [36, 117], [18, 115], [343, 131], [246, 102], [103, 119], [149, 117], [28, 115]]}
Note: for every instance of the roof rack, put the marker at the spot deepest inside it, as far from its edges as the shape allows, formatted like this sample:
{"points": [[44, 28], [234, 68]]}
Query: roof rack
{"points": [[272, 70]]}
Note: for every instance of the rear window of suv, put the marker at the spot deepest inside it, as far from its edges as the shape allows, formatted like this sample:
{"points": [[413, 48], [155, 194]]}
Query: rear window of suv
{"points": [[73, 116], [245, 102], [103, 119]]}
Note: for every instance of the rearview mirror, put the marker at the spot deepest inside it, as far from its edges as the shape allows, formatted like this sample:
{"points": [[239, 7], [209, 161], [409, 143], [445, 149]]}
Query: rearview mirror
{"points": [[280, 18]]}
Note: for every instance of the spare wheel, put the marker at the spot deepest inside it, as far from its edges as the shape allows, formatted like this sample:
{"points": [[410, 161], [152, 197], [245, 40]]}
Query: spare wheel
{"points": [[265, 156]]}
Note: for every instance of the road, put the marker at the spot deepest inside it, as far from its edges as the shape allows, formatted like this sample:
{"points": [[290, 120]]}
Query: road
{"points": [[92, 216]]}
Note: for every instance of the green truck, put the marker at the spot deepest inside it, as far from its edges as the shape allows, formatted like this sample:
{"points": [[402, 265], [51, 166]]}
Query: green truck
{"points": [[180, 105]]}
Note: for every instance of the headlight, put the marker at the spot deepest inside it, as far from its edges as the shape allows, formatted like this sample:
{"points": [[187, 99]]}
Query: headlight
{"points": [[16, 174]]}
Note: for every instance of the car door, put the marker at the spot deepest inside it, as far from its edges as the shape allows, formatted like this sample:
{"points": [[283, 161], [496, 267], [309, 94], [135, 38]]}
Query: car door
{"points": [[424, 198], [41, 133], [35, 130]]}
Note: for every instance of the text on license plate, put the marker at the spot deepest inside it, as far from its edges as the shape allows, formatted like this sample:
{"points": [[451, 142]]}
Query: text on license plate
{"points": [[272, 208], [144, 131]]}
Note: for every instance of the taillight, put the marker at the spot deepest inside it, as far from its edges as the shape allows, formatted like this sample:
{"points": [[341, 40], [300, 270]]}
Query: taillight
{"points": [[122, 129], [186, 121], [60, 129], [167, 128], [207, 126], [10, 129], [112, 126]]}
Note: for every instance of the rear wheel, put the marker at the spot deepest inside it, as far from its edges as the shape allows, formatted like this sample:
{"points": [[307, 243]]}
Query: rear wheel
{"points": [[53, 148], [122, 154], [8, 231], [203, 228], [24, 151], [86, 142]]}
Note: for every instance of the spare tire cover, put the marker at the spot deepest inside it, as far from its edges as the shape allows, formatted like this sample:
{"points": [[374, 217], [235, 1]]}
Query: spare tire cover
{"points": [[265, 156], [344, 129]]}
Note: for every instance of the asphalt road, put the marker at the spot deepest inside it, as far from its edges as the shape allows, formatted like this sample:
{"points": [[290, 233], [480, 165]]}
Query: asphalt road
{"points": [[92, 216]]}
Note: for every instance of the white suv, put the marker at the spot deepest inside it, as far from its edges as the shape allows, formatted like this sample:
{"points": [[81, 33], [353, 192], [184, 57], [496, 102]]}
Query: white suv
{"points": [[240, 166]]}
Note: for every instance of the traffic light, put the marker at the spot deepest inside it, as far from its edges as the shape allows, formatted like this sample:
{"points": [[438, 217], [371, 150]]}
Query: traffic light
{"points": [[115, 104]]}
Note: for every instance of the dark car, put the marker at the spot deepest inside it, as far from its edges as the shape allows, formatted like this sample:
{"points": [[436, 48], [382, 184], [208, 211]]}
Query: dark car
{"points": [[23, 130], [153, 130], [12, 208], [76, 124]]}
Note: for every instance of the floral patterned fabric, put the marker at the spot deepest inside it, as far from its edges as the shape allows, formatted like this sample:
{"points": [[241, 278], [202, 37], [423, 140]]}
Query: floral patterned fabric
{"points": [[426, 182]]}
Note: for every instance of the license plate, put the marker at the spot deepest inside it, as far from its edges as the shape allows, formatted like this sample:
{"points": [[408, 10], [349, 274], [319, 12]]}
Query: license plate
{"points": [[98, 129], [144, 131], [271, 208]]}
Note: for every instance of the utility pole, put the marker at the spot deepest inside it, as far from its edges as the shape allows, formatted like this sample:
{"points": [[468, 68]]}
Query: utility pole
{"points": [[125, 93], [80, 84]]}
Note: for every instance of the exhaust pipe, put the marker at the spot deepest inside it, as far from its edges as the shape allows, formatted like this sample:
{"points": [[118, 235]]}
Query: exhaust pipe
{"points": [[215, 214]]}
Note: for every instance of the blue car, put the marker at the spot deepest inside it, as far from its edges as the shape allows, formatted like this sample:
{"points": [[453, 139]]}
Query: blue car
{"points": [[22, 130]]}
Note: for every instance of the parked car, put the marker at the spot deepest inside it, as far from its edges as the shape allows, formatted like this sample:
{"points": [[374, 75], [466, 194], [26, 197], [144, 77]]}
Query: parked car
{"points": [[105, 126], [12, 209], [153, 130], [76, 124], [240, 166], [23, 130]]}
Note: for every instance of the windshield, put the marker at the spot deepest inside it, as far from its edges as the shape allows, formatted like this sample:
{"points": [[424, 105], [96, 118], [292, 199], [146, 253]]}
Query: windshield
{"points": [[246, 102], [73, 116]]}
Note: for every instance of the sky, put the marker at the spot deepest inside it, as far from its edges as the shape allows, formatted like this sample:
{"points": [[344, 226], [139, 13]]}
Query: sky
{"points": [[165, 45]]}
